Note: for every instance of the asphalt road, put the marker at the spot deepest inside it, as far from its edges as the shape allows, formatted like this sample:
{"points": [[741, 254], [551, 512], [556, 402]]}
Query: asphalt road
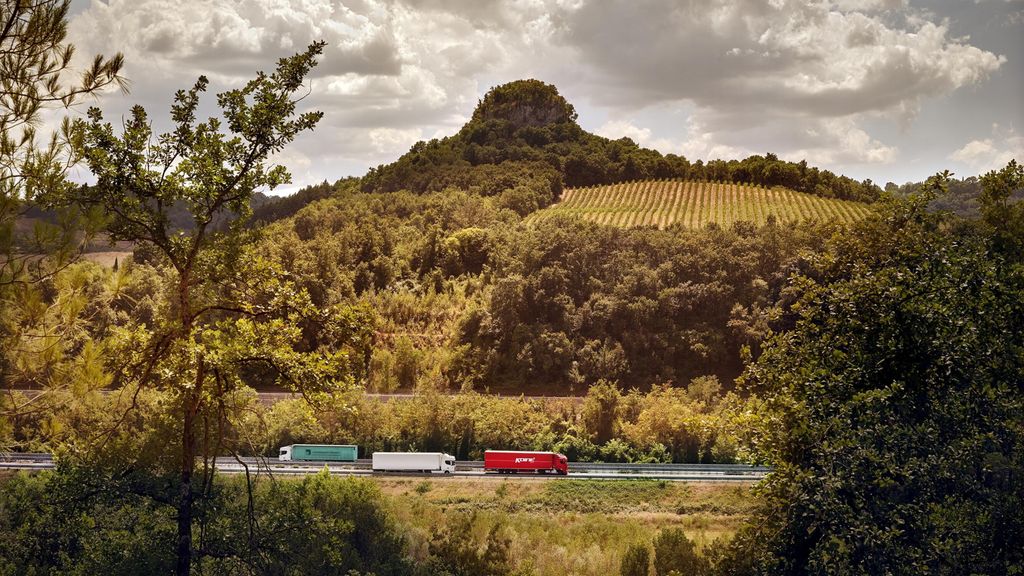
{"points": [[463, 469], [269, 398]]}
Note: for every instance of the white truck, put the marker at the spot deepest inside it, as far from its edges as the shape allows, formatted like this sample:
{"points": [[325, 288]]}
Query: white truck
{"points": [[435, 462]]}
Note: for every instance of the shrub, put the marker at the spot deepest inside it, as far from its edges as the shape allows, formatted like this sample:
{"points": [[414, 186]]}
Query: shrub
{"points": [[455, 551], [674, 552], [636, 561]]}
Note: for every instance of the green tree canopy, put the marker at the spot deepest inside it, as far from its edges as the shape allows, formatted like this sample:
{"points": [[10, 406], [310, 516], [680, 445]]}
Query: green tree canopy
{"points": [[897, 407], [229, 312], [35, 62]]}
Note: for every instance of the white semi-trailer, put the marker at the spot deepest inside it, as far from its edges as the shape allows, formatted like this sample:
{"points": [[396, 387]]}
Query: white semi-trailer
{"points": [[436, 462]]}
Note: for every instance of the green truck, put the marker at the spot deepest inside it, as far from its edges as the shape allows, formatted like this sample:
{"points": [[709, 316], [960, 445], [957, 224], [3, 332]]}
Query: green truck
{"points": [[319, 452]]}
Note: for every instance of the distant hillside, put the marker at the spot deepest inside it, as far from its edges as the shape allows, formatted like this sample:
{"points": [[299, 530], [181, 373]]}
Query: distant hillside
{"points": [[523, 145], [961, 198], [695, 204], [276, 208]]}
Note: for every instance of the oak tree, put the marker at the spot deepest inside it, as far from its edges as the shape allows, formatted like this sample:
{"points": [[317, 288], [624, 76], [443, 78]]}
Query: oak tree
{"points": [[231, 314]]}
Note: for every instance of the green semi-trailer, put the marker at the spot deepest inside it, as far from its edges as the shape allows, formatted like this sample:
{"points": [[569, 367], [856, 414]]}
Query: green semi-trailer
{"points": [[319, 452]]}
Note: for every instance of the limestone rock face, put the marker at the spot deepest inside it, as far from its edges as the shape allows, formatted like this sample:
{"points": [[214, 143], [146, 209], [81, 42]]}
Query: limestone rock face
{"points": [[525, 103]]}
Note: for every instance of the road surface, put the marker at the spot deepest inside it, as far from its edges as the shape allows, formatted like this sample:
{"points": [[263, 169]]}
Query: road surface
{"points": [[463, 469]]}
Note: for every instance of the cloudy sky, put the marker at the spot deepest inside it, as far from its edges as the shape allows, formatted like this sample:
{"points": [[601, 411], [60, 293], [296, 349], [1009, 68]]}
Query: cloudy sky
{"points": [[892, 90]]}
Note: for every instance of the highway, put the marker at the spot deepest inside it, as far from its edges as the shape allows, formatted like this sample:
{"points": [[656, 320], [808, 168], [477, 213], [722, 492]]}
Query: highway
{"points": [[463, 469], [268, 398]]}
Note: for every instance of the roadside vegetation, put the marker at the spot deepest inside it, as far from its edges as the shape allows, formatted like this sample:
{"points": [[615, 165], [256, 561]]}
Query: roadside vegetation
{"points": [[73, 521], [696, 424]]}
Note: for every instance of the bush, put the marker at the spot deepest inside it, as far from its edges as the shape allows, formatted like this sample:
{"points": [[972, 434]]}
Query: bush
{"points": [[674, 552], [636, 561], [92, 521], [456, 551]]}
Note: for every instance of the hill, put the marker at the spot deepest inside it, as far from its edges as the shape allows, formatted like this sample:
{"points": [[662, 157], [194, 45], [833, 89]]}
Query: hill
{"points": [[528, 129], [522, 146], [695, 204]]}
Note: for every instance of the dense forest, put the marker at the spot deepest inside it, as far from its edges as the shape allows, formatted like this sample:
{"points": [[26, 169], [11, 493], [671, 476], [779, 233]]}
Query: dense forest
{"points": [[472, 299]]}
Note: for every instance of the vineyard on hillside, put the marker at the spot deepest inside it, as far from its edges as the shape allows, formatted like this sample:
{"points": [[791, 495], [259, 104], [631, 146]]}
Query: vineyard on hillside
{"points": [[694, 204]]}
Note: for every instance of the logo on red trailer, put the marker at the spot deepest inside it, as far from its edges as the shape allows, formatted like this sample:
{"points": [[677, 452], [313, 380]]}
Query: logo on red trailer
{"points": [[524, 460]]}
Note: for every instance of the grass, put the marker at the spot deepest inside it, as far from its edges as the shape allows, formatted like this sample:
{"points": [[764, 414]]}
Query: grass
{"points": [[569, 526], [107, 258], [662, 203]]}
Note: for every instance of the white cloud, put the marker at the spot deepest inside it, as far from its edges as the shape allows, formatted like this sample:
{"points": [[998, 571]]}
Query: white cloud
{"points": [[868, 5], [616, 129], [706, 144], [794, 77], [698, 143], [814, 58], [392, 70], [394, 142], [841, 141], [991, 153]]}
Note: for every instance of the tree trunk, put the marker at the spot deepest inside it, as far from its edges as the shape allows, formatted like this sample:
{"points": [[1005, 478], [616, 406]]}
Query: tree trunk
{"points": [[184, 567], [190, 407]]}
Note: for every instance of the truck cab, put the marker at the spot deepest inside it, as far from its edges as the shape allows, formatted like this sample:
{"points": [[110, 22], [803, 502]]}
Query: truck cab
{"points": [[447, 463], [286, 454], [561, 464]]}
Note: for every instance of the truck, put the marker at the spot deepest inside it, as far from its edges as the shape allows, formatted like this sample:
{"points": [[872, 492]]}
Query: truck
{"points": [[435, 462], [319, 452], [514, 462]]}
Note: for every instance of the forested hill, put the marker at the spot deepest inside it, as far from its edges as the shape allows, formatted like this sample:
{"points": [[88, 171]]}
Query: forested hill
{"points": [[523, 146], [526, 126]]}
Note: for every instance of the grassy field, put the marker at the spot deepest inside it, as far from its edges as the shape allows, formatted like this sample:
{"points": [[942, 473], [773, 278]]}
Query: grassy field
{"points": [[107, 258], [694, 204], [569, 526]]}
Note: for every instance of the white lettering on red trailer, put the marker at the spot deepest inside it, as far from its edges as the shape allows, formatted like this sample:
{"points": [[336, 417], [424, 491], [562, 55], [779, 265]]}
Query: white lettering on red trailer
{"points": [[522, 460]]}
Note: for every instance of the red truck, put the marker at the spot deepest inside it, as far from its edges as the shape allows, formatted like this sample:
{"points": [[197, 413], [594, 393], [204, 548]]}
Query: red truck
{"points": [[513, 462]]}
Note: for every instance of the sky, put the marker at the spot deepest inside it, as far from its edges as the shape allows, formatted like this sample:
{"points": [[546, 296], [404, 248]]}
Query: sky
{"points": [[891, 90]]}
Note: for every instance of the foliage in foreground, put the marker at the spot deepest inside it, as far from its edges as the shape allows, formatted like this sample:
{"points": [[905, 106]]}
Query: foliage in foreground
{"points": [[90, 521], [227, 309], [897, 427], [77, 521], [36, 76]]}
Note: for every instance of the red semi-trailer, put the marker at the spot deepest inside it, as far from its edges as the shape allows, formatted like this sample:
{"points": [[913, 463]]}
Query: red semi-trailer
{"points": [[512, 462]]}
